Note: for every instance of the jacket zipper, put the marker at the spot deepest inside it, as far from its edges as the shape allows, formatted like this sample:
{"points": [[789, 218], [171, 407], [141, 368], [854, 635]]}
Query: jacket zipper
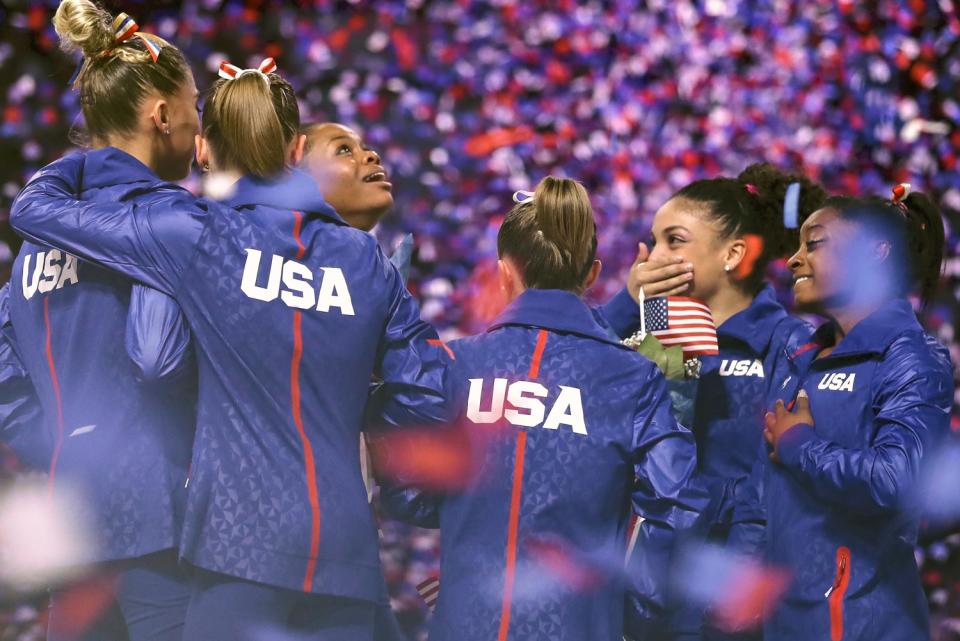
{"points": [[836, 592]]}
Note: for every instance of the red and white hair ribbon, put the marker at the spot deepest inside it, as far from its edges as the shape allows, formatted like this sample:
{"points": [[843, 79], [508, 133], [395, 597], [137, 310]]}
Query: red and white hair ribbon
{"points": [[125, 28], [900, 192], [232, 72]]}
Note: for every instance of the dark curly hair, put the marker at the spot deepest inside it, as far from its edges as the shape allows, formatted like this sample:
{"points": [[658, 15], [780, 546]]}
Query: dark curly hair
{"points": [[752, 203]]}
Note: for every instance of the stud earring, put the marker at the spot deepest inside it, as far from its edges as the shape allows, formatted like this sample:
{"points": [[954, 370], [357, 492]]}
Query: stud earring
{"points": [[167, 131], [726, 268]]}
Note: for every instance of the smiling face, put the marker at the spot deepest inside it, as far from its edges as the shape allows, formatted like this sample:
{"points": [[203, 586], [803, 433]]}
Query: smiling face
{"points": [[683, 228], [350, 174], [830, 266]]}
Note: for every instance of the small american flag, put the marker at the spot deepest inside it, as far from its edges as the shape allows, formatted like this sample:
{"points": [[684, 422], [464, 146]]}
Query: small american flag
{"points": [[682, 321], [429, 590]]}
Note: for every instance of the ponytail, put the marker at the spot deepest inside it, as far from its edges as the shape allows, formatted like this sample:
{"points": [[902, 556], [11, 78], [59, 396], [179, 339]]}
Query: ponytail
{"points": [[552, 237], [925, 238], [249, 123]]}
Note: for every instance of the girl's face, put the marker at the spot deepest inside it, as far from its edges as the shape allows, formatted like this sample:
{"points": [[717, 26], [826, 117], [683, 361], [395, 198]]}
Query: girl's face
{"points": [[350, 175], [826, 265], [177, 148], [682, 228]]}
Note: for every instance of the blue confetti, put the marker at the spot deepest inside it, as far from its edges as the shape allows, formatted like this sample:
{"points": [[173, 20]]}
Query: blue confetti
{"points": [[401, 256], [791, 204]]}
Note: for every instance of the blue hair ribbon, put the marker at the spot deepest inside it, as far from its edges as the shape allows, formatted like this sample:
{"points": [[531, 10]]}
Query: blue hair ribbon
{"points": [[791, 206]]}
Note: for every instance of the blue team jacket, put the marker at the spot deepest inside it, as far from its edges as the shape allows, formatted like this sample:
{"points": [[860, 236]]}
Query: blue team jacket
{"points": [[21, 416], [157, 342], [123, 446], [733, 388], [559, 420], [840, 508], [291, 311]]}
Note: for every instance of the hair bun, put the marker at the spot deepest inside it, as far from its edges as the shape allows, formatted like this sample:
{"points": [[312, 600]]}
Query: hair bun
{"points": [[83, 26], [771, 186]]}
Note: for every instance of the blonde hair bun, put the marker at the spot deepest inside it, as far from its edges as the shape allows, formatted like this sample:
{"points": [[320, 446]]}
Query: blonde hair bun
{"points": [[84, 26]]}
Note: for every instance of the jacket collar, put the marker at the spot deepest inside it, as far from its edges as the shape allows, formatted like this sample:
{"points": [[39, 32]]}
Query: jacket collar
{"points": [[112, 167], [755, 324], [873, 334], [553, 309], [293, 189]]}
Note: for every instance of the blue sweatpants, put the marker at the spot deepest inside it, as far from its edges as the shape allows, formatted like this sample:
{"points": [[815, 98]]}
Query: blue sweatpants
{"points": [[149, 604], [225, 608]]}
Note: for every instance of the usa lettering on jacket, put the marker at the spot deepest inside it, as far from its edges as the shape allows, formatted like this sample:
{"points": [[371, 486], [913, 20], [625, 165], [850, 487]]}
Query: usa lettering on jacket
{"points": [[741, 368], [298, 287], [837, 382], [52, 270], [519, 403]]}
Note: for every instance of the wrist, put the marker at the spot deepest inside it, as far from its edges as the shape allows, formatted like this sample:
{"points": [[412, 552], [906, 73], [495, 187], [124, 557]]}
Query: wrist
{"points": [[791, 442]]}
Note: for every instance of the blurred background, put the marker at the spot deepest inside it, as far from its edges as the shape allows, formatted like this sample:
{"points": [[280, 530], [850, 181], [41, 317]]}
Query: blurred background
{"points": [[467, 101]]}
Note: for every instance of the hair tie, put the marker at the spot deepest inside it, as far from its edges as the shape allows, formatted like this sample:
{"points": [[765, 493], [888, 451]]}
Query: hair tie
{"points": [[125, 28], [232, 72], [752, 189], [521, 196], [900, 193]]}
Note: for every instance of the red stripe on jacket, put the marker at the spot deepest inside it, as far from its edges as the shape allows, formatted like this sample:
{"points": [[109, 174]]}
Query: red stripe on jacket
{"points": [[55, 381], [309, 464], [515, 496]]}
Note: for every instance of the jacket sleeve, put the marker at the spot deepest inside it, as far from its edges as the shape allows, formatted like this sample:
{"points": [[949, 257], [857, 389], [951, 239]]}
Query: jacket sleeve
{"points": [[400, 498], [911, 414], [21, 415], [412, 364], [157, 336], [150, 242], [748, 520], [622, 314], [668, 497], [748, 514]]}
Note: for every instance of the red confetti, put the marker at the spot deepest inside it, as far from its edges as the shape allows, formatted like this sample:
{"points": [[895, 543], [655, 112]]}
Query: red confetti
{"points": [[758, 590], [486, 143], [80, 606], [753, 252]]}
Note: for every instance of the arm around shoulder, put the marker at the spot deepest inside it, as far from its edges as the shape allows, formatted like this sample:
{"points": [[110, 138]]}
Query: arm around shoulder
{"points": [[157, 336], [150, 239]]}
